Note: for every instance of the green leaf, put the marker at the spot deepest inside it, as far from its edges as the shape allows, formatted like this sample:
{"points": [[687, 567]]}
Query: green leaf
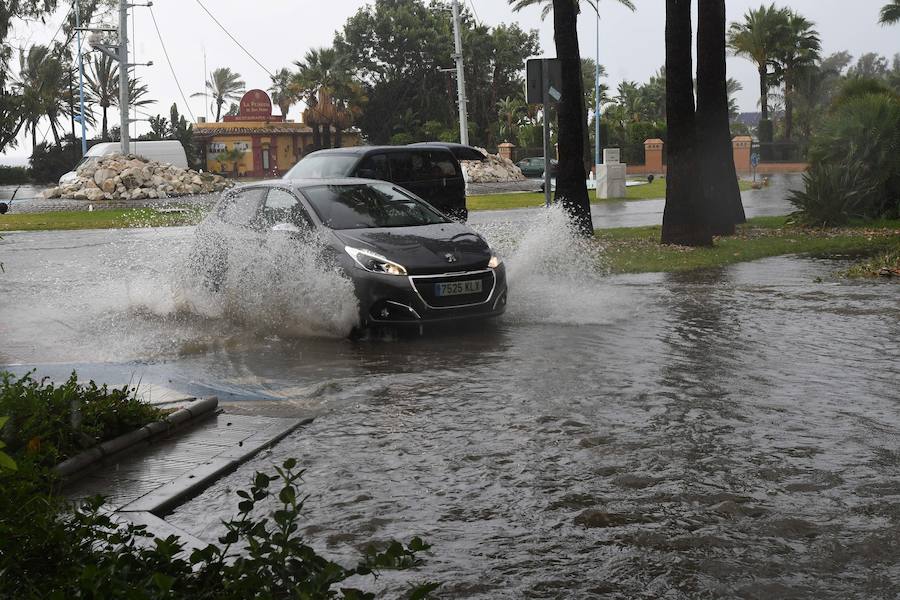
{"points": [[421, 591], [3, 421], [288, 464], [6, 462], [163, 582], [287, 495]]}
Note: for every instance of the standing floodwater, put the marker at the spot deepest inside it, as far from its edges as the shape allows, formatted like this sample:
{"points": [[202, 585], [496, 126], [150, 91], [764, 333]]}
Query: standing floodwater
{"points": [[728, 433]]}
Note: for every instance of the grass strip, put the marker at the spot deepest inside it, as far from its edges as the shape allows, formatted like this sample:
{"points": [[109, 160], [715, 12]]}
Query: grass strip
{"points": [[637, 249], [114, 218], [650, 191]]}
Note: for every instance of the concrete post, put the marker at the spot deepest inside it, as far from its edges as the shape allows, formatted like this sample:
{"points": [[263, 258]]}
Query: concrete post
{"points": [[505, 150], [653, 156], [742, 146]]}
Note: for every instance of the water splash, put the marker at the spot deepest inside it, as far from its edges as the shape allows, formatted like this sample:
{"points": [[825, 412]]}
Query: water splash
{"points": [[271, 283], [554, 274]]}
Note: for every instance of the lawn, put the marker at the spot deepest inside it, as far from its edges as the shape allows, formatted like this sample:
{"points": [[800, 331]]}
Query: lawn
{"points": [[97, 219], [637, 249], [650, 191]]}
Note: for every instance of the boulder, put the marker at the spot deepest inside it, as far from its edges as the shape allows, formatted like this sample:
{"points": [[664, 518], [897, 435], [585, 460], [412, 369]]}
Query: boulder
{"points": [[493, 168]]}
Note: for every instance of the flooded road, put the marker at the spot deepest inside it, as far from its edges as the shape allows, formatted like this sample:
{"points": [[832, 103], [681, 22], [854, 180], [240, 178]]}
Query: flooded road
{"points": [[731, 433]]}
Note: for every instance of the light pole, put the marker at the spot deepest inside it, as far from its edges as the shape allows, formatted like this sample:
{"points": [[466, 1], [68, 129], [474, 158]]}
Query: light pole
{"points": [[80, 81], [597, 106], [460, 78]]}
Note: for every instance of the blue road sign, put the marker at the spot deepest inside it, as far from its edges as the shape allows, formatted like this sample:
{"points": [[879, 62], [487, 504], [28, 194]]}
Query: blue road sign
{"points": [[754, 160]]}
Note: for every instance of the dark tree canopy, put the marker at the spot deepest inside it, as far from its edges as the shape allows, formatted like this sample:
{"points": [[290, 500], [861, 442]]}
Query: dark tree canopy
{"points": [[396, 48]]}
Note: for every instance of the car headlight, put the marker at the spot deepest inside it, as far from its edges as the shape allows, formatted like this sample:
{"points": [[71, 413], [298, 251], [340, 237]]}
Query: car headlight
{"points": [[374, 262], [495, 262]]}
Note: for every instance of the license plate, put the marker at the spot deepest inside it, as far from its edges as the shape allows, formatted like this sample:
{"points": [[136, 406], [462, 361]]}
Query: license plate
{"points": [[457, 288]]}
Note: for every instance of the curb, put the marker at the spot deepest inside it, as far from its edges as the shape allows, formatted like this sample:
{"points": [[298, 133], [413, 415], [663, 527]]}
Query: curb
{"points": [[176, 492], [78, 463]]}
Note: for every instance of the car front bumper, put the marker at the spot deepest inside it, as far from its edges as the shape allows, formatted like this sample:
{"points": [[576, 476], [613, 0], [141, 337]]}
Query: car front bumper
{"points": [[390, 299]]}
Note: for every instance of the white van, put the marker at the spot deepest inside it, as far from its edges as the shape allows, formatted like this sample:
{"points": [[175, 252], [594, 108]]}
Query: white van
{"points": [[165, 151]]}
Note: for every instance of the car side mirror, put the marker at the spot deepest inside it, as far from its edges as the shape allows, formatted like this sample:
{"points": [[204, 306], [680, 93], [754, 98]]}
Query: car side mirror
{"points": [[287, 227], [3, 208]]}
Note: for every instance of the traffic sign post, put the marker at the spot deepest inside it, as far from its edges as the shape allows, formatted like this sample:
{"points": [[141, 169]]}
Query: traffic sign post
{"points": [[754, 163], [543, 82]]}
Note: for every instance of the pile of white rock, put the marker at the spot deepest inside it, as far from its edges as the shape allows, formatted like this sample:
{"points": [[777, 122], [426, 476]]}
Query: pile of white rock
{"points": [[118, 177], [492, 169]]}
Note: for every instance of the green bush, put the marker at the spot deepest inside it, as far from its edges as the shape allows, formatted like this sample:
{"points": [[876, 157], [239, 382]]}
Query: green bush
{"points": [[50, 423], [49, 162], [858, 144], [833, 194], [14, 175], [46, 552]]}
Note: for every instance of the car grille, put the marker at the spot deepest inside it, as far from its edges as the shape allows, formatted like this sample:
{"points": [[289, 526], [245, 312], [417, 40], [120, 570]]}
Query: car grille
{"points": [[425, 287]]}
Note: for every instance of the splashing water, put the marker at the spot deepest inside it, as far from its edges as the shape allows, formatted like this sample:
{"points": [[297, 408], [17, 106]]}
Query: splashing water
{"points": [[554, 274], [271, 283]]}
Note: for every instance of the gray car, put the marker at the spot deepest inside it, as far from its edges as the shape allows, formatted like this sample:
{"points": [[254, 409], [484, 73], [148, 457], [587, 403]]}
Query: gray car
{"points": [[409, 263]]}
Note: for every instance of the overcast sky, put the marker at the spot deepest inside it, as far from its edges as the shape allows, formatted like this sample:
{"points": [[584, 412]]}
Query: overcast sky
{"points": [[277, 32]]}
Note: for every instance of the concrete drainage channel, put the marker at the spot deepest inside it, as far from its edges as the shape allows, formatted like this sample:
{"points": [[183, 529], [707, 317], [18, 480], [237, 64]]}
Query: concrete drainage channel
{"points": [[146, 473]]}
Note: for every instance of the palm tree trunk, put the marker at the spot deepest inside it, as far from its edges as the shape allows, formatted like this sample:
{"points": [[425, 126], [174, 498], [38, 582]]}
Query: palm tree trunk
{"points": [[55, 131], [326, 135], [33, 137], [571, 189], [684, 221], [219, 103], [104, 132], [788, 105], [764, 92], [338, 137], [718, 175], [317, 136]]}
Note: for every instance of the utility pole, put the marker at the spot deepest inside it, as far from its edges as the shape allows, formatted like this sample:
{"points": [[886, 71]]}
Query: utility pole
{"points": [[119, 53], [123, 77], [81, 81], [597, 109], [460, 78]]}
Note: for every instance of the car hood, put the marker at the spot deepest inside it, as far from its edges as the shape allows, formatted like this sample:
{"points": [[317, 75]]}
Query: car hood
{"points": [[427, 249]]}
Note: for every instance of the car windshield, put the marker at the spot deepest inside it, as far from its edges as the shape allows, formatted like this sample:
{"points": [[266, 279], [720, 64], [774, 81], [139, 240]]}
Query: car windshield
{"points": [[322, 166], [368, 205]]}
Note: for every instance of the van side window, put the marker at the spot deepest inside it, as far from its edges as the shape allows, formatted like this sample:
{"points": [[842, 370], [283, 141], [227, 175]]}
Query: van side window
{"points": [[374, 166], [444, 166], [403, 166]]}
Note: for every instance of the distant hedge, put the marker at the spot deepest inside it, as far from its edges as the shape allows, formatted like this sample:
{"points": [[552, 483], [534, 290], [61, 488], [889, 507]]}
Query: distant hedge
{"points": [[14, 175]]}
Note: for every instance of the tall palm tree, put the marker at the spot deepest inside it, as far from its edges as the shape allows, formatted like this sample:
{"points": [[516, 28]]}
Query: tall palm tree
{"points": [[322, 70], [758, 38], [101, 81], [732, 87], [281, 91], [718, 177], [42, 83], [571, 190], [799, 49], [684, 219], [224, 85], [890, 13]]}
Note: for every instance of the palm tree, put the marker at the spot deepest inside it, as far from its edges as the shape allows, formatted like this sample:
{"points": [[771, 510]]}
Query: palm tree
{"points": [[102, 83], [718, 177], [223, 85], [42, 83], [101, 80], [571, 190], [509, 110], [281, 91], [684, 219], [758, 38], [799, 49], [733, 86], [322, 70], [890, 14]]}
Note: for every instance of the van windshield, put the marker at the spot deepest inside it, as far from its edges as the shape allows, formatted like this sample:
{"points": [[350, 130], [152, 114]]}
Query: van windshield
{"points": [[368, 205], [323, 166]]}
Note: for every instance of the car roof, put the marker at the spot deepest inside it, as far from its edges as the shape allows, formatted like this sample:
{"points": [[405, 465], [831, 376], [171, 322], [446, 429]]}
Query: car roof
{"points": [[361, 150], [306, 183], [460, 151]]}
